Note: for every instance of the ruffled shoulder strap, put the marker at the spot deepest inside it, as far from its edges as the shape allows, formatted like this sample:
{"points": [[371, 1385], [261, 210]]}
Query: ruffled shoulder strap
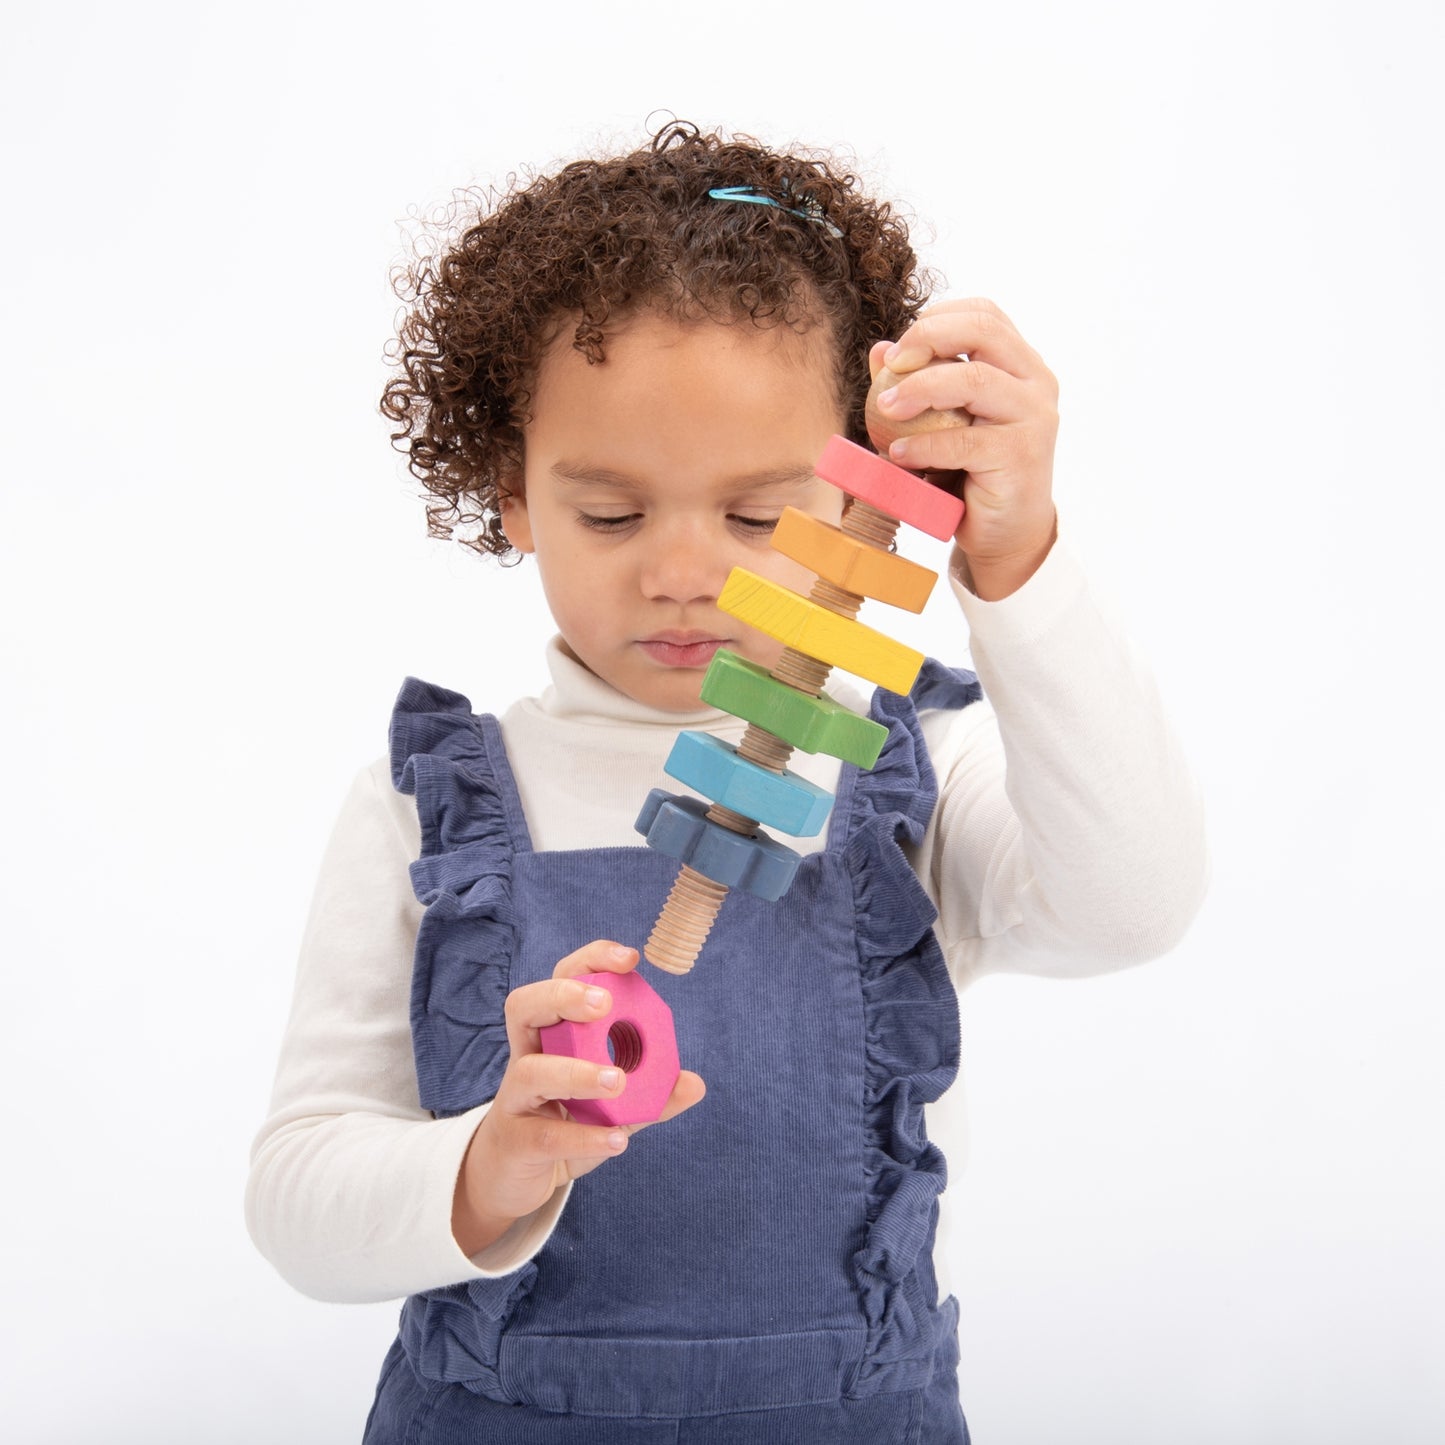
{"points": [[942, 687], [454, 763], [901, 784], [471, 828], [911, 1013]]}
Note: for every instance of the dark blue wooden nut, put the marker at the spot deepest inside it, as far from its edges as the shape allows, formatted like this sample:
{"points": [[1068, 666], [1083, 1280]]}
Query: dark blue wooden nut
{"points": [[679, 827]]}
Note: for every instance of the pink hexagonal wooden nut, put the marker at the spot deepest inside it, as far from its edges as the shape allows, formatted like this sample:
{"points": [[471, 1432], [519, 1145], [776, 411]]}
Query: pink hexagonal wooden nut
{"points": [[644, 1047]]}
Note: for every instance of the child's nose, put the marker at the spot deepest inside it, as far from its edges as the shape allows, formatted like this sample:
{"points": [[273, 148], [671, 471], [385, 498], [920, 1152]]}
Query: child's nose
{"points": [[684, 565]]}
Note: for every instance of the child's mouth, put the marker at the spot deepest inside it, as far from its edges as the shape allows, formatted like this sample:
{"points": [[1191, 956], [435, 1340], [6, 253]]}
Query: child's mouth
{"points": [[681, 651]]}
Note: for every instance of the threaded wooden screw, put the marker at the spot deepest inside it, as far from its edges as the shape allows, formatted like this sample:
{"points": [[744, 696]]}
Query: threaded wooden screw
{"points": [[692, 906], [685, 921]]}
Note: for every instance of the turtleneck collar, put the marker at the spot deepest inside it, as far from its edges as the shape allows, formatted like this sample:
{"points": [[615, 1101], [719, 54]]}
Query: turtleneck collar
{"points": [[578, 695]]}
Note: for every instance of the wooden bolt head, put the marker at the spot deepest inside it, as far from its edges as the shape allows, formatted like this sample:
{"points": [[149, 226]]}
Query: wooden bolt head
{"points": [[883, 430]]}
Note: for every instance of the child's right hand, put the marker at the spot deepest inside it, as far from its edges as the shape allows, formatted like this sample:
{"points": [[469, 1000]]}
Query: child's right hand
{"points": [[526, 1146]]}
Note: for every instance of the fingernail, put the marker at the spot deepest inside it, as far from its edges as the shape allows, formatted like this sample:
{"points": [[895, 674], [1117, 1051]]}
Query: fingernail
{"points": [[887, 398], [618, 954], [892, 354], [617, 1140], [898, 450], [596, 997], [609, 1078]]}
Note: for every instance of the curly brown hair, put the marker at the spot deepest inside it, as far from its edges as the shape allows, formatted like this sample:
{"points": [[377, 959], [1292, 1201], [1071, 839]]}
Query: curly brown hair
{"points": [[594, 244]]}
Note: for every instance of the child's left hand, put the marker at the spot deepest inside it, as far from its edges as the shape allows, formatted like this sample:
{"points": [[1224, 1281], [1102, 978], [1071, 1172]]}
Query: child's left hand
{"points": [[1004, 461]]}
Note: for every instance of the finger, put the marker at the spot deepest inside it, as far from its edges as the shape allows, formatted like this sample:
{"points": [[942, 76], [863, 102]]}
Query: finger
{"points": [[552, 1138], [536, 1006], [600, 956], [977, 387], [533, 1081], [966, 303], [976, 450], [981, 335], [688, 1090]]}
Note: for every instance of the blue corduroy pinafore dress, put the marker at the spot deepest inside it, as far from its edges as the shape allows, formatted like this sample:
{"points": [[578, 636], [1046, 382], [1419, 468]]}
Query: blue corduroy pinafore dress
{"points": [[761, 1268]]}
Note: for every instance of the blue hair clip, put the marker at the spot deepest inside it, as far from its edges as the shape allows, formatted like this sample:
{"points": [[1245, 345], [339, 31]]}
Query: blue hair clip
{"points": [[811, 210]]}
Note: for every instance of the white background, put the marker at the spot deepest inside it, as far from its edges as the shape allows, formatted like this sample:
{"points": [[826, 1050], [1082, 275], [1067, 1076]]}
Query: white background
{"points": [[1205, 1196]]}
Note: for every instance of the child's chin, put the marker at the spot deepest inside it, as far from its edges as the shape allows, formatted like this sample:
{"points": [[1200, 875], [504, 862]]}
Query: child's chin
{"points": [[675, 691]]}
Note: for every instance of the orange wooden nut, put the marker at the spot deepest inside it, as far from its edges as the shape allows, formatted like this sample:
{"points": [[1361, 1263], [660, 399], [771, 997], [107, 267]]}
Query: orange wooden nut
{"points": [[850, 564]]}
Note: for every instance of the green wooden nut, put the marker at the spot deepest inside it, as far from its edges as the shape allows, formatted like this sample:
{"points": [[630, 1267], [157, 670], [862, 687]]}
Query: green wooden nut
{"points": [[814, 724]]}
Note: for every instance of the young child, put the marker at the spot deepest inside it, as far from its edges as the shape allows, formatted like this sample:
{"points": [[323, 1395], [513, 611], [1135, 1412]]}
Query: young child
{"points": [[625, 371]]}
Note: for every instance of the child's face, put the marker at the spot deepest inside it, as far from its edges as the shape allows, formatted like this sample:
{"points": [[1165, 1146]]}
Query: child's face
{"points": [[650, 475]]}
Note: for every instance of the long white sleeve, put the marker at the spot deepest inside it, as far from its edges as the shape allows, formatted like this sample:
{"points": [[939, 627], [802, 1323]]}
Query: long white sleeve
{"points": [[351, 1185], [1069, 838]]}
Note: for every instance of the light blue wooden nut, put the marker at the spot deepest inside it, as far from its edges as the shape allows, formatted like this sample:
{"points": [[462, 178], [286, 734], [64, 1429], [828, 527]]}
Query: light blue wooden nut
{"points": [[781, 800], [680, 828]]}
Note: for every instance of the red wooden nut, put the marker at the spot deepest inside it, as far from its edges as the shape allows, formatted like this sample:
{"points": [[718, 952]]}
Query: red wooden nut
{"points": [[644, 1047], [893, 491]]}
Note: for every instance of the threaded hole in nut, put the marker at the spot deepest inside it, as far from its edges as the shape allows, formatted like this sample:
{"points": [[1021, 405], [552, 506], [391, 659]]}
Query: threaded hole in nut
{"points": [[624, 1045]]}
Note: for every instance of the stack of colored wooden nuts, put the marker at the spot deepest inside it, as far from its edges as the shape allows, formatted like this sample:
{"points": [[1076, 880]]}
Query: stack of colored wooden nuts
{"points": [[719, 841]]}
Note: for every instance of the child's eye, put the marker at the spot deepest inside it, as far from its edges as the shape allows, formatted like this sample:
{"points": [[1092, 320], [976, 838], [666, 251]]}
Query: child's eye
{"points": [[607, 524], [761, 525], [753, 526]]}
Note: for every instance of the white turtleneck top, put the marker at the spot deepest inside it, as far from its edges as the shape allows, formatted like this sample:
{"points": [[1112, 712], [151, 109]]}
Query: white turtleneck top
{"points": [[1068, 840]]}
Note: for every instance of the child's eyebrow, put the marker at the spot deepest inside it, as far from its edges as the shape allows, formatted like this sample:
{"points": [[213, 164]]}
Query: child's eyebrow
{"points": [[581, 474]]}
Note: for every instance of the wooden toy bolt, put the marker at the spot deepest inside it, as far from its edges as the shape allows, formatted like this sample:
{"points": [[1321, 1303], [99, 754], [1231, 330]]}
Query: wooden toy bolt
{"points": [[884, 430], [720, 845]]}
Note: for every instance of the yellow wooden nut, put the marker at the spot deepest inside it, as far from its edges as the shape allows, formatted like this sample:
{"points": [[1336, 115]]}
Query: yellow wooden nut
{"points": [[813, 630], [851, 564]]}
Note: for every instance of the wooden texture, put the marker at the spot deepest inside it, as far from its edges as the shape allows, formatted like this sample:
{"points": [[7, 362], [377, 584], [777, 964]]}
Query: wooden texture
{"points": [[810, 629], [644, 1042], [850, 564], [900, 494], [885, 429], [680, 828], [814, 724], [780, 800]]}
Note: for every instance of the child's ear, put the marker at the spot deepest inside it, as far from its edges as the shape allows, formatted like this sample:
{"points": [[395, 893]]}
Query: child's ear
{"points": [[516, 524]]}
